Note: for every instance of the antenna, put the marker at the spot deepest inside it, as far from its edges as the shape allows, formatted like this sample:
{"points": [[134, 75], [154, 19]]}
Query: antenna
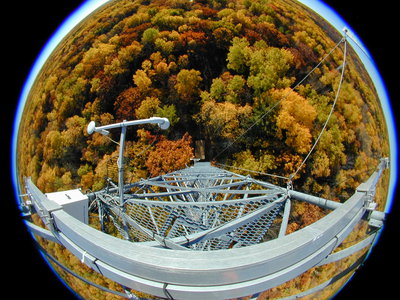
{"points": [[163, 123]]}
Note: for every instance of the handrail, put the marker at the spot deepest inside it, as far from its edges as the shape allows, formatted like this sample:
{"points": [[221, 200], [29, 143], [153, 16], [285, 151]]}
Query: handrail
{"points": [[210, 272], [206, 274]]}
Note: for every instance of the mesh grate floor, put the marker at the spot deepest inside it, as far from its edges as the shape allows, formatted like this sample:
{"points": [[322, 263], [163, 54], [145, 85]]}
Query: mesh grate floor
{"points": [[197, 208]]}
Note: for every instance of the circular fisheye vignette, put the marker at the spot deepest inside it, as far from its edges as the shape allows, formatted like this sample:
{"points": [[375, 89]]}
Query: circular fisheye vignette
{"points": [[327, 12], [83, 11], [321, 8], [80, 13]]}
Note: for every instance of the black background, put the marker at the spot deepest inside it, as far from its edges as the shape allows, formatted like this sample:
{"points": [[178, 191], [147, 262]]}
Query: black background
{"points": [[26, 27]]}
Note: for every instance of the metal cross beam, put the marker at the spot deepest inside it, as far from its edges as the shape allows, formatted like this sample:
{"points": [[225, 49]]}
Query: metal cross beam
{"points": [[201, 208], [165, 225]]}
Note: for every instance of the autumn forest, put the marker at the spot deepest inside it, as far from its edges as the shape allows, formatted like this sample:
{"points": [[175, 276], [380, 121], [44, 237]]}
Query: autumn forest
{"points": [[222, 72]]}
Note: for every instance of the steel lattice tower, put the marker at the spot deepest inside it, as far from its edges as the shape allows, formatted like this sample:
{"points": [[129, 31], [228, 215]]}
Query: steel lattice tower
{"points": [[204, 232]]}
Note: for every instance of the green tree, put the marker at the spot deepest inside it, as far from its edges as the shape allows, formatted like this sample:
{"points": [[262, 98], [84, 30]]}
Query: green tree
{"points": [[268, 67], [120, 64], [168, 18], [150, 35], [235, 89], [165, 46], [217, 89], [169, 112], [237, 55], [227, 88], [331, 150]]}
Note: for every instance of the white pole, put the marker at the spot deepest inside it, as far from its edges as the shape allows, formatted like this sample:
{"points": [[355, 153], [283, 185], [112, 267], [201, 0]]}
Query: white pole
{"points": [[121, 166]]}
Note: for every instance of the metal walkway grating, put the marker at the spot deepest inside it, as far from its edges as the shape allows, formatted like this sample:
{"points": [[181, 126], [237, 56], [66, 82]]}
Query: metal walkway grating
{"points": [[199, 208]]}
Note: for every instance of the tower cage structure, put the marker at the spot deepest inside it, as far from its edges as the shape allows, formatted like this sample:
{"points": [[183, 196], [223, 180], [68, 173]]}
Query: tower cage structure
{"points": [[201, 232]]}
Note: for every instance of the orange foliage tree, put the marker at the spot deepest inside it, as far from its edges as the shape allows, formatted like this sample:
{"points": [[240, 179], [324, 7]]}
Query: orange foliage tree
{"points": [[170, 155], [127, 102]]}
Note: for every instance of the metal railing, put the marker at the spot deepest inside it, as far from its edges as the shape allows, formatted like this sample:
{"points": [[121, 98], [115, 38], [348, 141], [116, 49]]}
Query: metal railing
{"points": [[160, 266]]}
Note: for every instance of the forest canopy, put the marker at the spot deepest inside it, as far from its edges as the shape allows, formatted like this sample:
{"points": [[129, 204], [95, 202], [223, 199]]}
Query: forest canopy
{"points": [[214, 68], [228, 75]]}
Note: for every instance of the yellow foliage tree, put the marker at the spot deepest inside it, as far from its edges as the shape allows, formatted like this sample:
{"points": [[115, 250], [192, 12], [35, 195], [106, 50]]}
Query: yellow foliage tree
{"points": [[53, 146], [142, 81], [187, 84], [223, 119], [246, 160], [295, 118], [148, 108]]}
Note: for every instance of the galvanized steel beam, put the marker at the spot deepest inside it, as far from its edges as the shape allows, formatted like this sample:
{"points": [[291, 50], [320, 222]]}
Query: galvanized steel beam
{"points": [[217, 274], [222, 271]]}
